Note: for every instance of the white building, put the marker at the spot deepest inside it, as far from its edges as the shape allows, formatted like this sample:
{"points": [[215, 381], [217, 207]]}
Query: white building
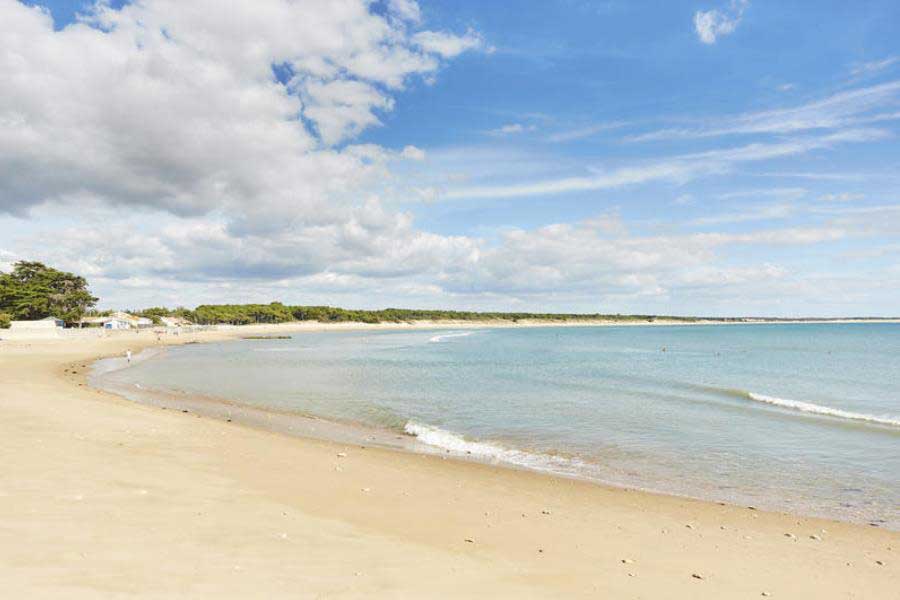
{"points": [[47, 324]]}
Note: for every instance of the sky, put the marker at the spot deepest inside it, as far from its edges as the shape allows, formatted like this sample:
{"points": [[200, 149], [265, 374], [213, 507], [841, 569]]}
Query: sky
{"points": [[714, 157]]}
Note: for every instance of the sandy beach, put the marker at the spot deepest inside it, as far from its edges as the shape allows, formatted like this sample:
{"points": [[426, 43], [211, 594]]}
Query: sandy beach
{"points": [[102, 497]]}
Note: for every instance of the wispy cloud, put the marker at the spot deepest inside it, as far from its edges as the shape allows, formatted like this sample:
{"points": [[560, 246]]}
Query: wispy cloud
{"points": [[872, 67], [792, 192], [584, 132], [842, 197], [511, 129], [758, 213], [845, 109], [710, 25], [681, 168]]}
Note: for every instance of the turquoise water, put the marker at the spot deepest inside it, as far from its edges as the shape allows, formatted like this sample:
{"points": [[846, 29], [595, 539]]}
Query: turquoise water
{"points": [[799, 417]]}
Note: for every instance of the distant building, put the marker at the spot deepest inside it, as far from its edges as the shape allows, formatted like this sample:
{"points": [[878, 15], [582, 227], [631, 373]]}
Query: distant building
{"points": [[49, 323], [50, 327], [117, 320], [175, 322]]}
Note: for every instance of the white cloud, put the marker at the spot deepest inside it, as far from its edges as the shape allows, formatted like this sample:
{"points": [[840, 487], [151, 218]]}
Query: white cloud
{"points": [[678, 169], [448, 45], [413, 153], [511, 129], [842, 197], [757, 213], [407, 10], [712, 24], [851, 108], [175, 105], [875, 66], [584, 132]]}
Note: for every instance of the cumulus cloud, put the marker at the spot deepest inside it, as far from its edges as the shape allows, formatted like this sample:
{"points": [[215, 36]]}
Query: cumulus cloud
{"points": [[192, 108], [407, 10], [448, 45], [713, 24]]}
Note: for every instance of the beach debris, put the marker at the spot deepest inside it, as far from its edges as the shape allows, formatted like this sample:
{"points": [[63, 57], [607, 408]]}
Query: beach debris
{"points": [[697, 576], [627, 561], [540, 550], [790, 536], [880, 563], [815, 537], [342, 455], [469, 541], [689, 526], [631, 574], [366, 490], [766, 594], [545, 512], [185, 410], [751, 507]]}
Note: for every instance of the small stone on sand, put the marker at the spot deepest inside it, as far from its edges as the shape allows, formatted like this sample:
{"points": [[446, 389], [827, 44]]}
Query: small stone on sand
{"points": [[627, 561], [696, 575], [470, 540]]}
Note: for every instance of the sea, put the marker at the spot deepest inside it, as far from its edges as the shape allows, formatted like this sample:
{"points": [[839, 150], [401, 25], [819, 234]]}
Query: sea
{"points": [[802, 418]]}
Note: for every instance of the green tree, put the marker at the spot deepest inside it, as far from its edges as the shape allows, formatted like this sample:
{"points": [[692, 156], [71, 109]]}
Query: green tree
{"points": [[4, 320], [35, 291]]}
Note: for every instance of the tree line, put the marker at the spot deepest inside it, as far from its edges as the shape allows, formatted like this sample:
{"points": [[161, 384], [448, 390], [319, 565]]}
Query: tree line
{"points": [[276, 312], [35, 291]]}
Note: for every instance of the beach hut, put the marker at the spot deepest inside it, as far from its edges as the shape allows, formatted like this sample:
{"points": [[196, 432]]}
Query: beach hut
{"points": [[116, 323]]}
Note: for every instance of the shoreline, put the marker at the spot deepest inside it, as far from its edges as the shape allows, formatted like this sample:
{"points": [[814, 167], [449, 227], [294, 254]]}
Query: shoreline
{"points": [[468, 528], [302, 425]]}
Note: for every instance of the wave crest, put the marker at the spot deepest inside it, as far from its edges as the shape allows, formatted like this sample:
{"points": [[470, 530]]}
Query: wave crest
{"points": [[440, 338], [457, 444], [809, 407]]}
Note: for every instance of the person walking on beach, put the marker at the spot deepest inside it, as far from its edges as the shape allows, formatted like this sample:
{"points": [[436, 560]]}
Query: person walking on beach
{"points": [[128, 355]]}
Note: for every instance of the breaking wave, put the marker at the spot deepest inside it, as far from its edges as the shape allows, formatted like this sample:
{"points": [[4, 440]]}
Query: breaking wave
{"points": [[440, 338], [456, 444], [816, 409]]}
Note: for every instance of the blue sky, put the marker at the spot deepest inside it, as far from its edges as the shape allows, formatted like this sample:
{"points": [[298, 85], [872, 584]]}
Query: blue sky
{"points": [[716, 157]]}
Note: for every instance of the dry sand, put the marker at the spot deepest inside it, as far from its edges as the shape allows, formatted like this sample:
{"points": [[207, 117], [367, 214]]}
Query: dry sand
{"points": [[101, 497]]}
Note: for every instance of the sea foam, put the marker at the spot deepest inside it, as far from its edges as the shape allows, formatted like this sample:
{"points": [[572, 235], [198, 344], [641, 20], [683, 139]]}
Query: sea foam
{"points": [[809, 407], [456, 444], [440, 338]]}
